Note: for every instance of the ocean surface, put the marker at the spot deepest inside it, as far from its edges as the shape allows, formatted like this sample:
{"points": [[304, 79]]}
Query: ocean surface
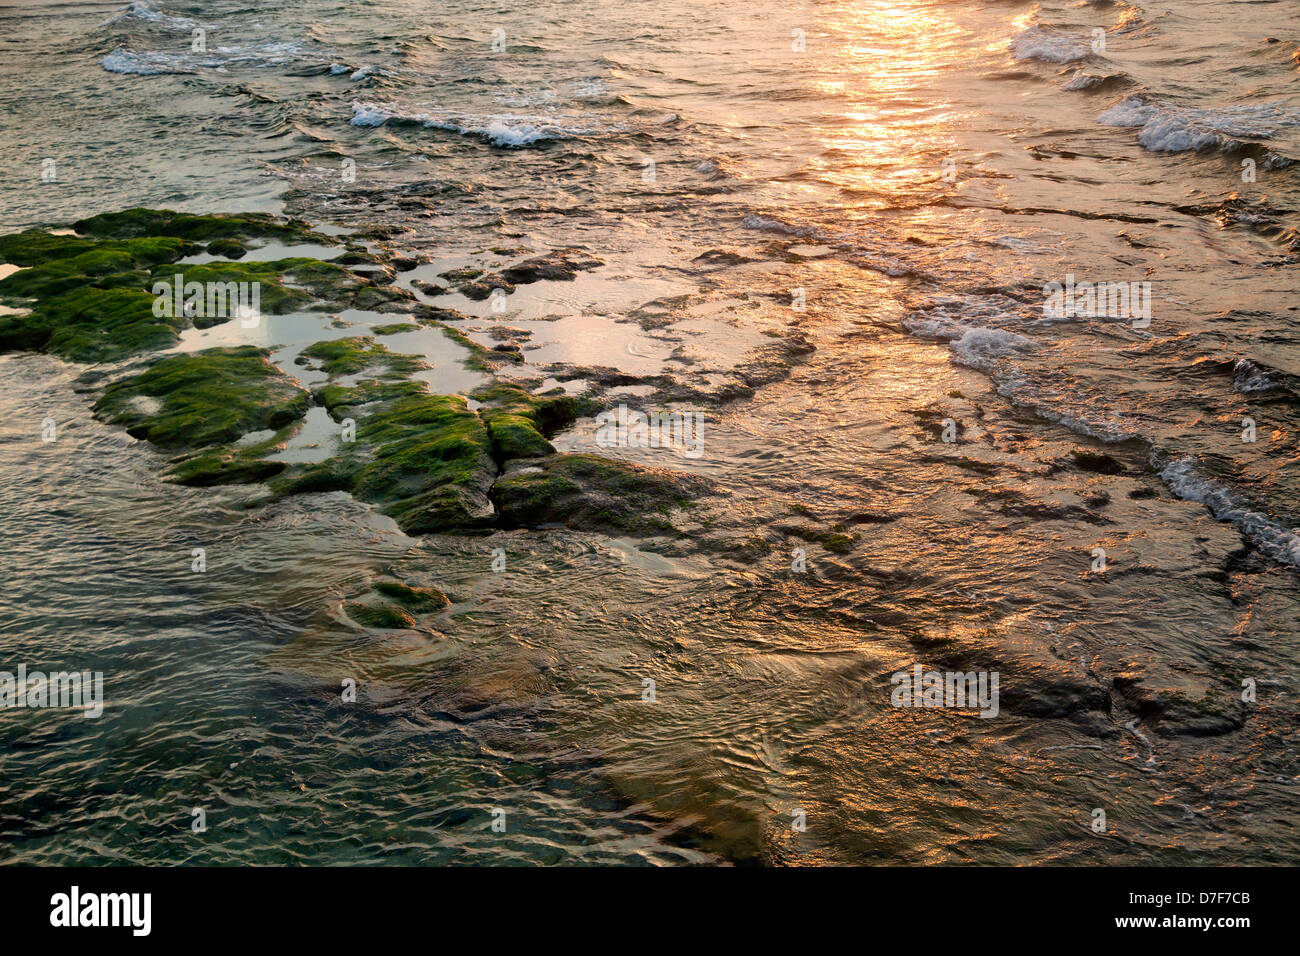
{"points": [[896, 183]]}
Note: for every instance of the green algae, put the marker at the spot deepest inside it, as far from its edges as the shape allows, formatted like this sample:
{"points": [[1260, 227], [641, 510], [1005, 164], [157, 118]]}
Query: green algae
{"points": [[383, 616], [227, 248], [518, 421], [94, 297], [351, 356], [35, 246], [284, 285], [478, 359], [133, 223], [91, 325], [419, 600], [231, 465], [423, 459], [90, 299], [429, 461], [57, 267], [208, 398], [341, 401], [593, 493]]}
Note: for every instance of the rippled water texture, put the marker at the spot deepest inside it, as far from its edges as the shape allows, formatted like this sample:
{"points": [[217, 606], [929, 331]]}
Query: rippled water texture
{"points": [[913, 173]]}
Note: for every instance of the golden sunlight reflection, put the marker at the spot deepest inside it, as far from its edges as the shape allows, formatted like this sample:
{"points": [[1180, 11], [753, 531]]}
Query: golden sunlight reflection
{"points": [[896, 125]]}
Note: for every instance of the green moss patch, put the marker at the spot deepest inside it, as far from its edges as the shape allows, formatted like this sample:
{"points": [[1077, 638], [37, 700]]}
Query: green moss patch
{"points": [[394, 329], [350, 356], [518, 421], [227, 248], [428, 461], [593, 493], [208, 398], [423, 459], [284, 285], [91, 325], [132, 223], [419, 600], [383, 616]]}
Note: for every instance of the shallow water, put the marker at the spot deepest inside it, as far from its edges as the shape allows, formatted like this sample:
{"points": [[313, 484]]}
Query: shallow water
{"points": [[920, 169]]}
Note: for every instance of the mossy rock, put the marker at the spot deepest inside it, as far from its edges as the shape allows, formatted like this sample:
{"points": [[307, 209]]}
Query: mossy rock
{"points": [[35, 246], [224, 467], [421, 442], [593, 493], [227, 248], [838, 543], [835, 540], [383, 616], [232, 465], [308, 281], [55, 266], [424, 460], [350, 356], [420, 600], [91, 325], [91, 304], [208, 398], [515, 436], [518, 421], [132, 223], [342, 400], [94, 297]]}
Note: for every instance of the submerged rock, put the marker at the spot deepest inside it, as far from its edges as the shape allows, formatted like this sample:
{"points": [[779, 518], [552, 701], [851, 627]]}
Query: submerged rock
{"points": [[383, 616], [592, 493], [420, 600], [563, 265], [132, 223]]}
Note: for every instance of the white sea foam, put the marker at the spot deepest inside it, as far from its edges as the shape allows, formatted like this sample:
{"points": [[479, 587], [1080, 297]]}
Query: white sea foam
{"points": [[506, 131], [147, 64], [146, 12], [1176, 129], [1035, 44], [364, 72], [755, 221], [1184, 480], [981, 348], [157, 63], [1249, 377]]}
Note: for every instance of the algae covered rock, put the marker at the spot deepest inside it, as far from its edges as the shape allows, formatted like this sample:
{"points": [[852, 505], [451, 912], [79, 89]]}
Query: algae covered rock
{"points": [[382, 616], [100, 296], [419, 600], [132, 223], [350, 356], [118, 288], [518, 421], [208, 398], [424, 459], [593, 493], [90, 299]]}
